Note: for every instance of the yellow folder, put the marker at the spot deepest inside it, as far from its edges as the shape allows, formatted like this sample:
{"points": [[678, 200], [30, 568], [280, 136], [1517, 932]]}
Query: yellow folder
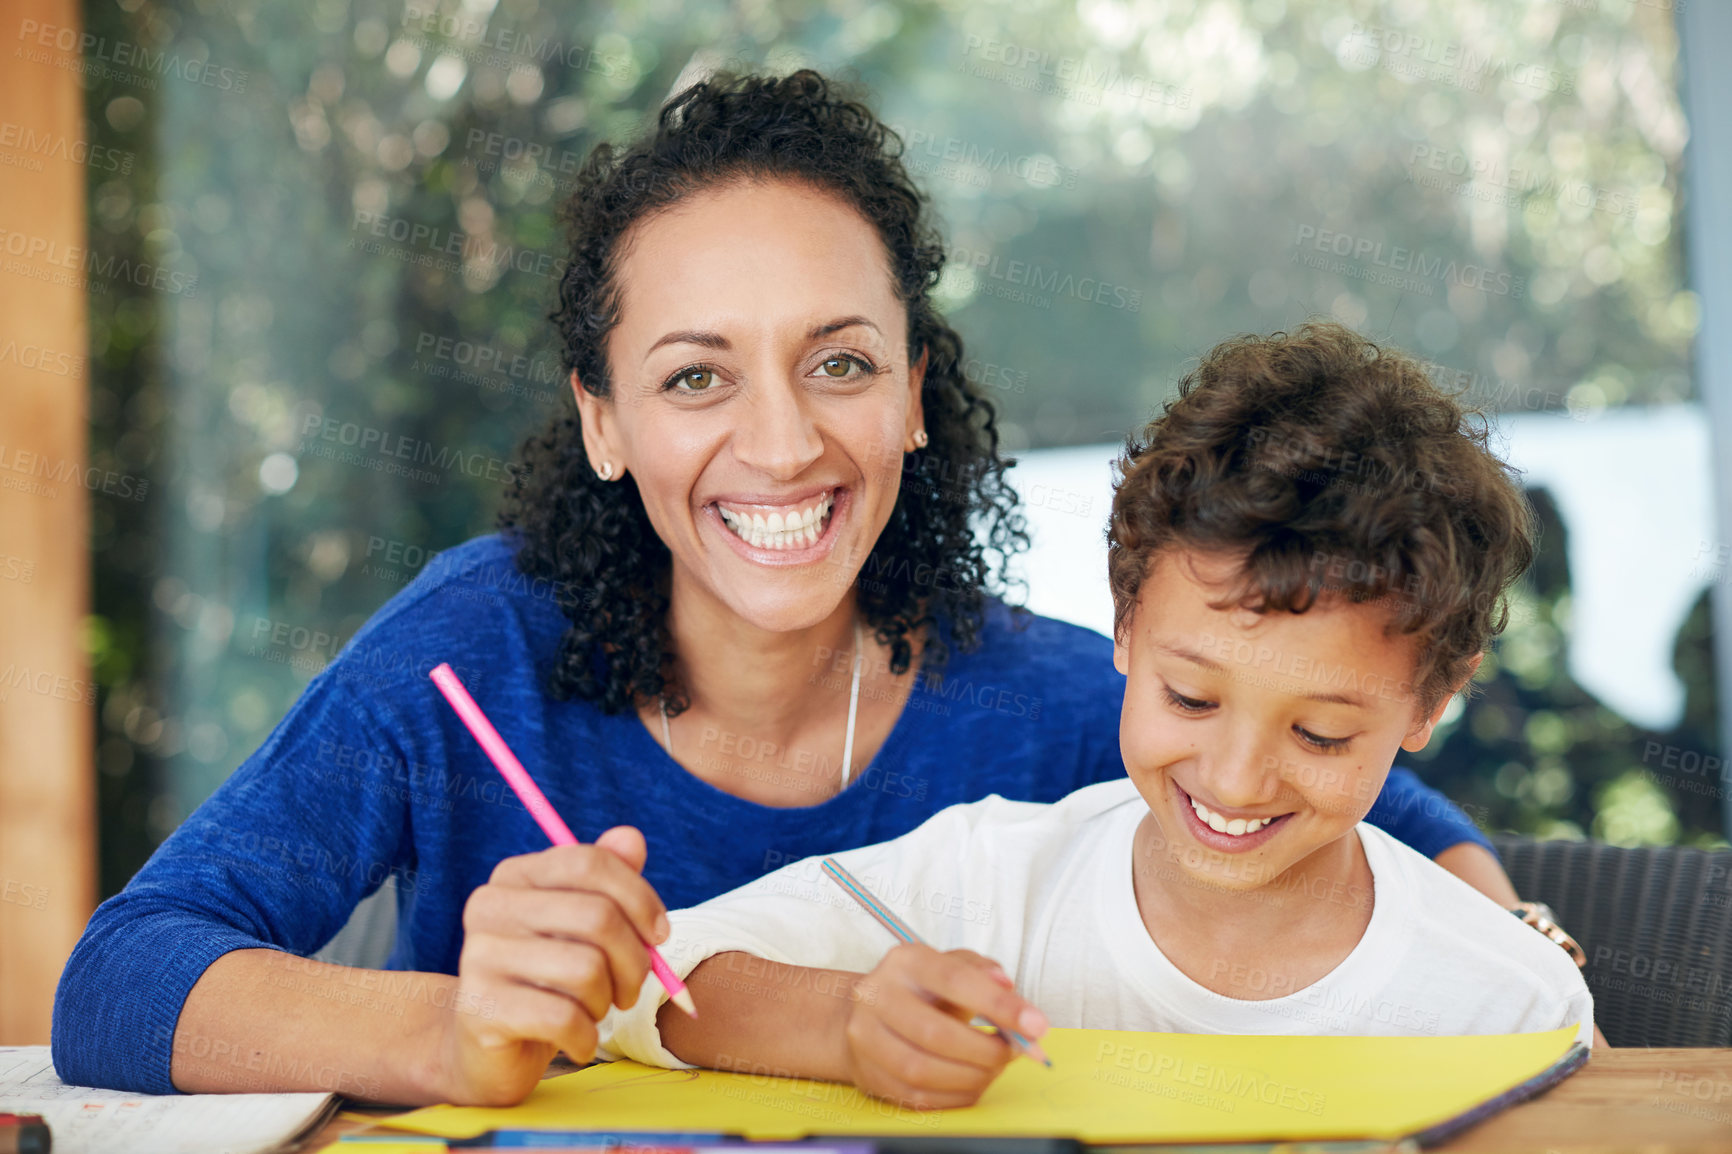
{"points": [[1106, 1086]]}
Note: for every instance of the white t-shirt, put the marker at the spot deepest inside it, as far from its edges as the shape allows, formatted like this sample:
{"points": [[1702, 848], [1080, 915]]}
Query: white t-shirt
{"points": [[1046, 891]]}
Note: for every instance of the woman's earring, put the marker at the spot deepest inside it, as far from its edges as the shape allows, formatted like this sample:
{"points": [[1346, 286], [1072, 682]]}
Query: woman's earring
{"points": [[606, 471], [919, 438]]}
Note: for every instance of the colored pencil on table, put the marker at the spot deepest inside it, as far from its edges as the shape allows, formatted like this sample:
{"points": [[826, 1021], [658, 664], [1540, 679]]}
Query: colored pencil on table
{"points": [[537, 804], [888, 919]]}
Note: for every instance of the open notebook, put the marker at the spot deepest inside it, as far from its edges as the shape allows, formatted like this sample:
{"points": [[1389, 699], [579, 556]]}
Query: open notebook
{"points": [[85, 1120], [1105, 1087]]}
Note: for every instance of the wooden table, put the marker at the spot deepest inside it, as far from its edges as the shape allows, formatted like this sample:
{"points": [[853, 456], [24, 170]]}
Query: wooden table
{"points": [[1650, 1101]]}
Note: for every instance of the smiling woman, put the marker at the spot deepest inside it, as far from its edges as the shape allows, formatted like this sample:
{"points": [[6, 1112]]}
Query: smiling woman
{"points": [[744, 600], [780, 263]]}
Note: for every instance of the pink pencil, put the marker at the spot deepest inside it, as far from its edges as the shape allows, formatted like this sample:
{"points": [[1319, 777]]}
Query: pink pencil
{"points": [[537, 804]]}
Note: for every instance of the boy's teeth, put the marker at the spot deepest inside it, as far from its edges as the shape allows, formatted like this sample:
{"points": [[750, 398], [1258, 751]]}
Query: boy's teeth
{"points": [[795, 530], [1237, 827]]}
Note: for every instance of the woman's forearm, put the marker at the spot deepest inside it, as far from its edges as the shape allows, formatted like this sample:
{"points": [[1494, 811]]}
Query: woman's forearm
{"points": [[765, 1017], [264, 1021], [1479, 868]]}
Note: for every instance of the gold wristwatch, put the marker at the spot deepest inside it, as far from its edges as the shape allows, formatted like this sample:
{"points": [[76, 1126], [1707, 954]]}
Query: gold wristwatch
{"points": [[1540, 917]]}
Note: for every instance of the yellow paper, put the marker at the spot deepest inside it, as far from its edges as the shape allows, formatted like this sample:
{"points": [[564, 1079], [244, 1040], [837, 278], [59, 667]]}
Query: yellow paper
{"points": [[1105, 1086]]}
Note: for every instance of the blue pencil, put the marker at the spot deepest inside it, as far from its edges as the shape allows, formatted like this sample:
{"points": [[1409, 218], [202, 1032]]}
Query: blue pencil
{"points": [[888, 919]]}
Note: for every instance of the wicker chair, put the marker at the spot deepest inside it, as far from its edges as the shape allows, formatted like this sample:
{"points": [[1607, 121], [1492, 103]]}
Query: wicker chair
{"points": [[1657, 928]]}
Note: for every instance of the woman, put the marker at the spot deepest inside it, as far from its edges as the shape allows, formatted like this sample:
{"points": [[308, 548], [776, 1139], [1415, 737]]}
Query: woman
{"points": [[739, 603]]}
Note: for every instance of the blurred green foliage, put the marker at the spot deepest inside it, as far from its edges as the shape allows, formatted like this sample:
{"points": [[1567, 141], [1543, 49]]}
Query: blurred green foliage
{"points": [[368, 206]]}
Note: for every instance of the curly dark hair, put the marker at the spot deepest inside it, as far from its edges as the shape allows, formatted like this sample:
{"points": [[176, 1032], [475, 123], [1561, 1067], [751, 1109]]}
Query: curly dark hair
{"points": [[956, 518], [1329, 464]]}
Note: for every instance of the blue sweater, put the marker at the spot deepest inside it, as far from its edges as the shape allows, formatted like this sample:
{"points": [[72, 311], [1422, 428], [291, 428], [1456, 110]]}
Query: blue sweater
{"points": [[370, 774]]}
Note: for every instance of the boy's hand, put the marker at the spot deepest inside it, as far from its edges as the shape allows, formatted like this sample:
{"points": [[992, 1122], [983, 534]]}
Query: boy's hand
{"points": [[912, 1043]]}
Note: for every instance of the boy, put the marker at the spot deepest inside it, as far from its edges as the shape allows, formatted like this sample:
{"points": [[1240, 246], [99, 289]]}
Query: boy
{"points": [[1308, 554]]}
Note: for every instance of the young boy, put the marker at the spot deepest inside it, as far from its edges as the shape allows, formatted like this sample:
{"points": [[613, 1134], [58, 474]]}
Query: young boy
{"points": [[1308, 554]]}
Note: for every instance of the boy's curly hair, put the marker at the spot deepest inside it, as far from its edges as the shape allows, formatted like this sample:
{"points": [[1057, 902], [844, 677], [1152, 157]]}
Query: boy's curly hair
{"points": [[1331, 466], [593, 539]]}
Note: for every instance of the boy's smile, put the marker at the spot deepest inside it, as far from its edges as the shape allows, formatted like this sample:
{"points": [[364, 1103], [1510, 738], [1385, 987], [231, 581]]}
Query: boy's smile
{"points": [[1259, 741], [1226, 828]]}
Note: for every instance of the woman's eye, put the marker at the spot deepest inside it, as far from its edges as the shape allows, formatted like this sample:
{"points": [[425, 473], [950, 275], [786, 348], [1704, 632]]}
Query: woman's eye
{"points": [[1320, 741], [840, 368], [692, 380]]}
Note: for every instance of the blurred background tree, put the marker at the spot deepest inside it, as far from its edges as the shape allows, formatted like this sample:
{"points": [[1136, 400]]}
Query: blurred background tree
{"points": [[366, 192]]}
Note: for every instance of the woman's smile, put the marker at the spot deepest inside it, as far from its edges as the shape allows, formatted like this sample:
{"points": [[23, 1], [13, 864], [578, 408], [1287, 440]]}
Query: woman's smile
{"points": [[764, 531]]}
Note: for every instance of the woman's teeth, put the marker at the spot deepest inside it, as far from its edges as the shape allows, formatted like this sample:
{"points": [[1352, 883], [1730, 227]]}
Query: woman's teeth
{"points": [[1237, 827], [778, 531]]}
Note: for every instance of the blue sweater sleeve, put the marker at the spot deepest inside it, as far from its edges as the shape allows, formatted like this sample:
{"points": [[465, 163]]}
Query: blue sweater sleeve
{"points": [[1414, 813], [277, 857]]}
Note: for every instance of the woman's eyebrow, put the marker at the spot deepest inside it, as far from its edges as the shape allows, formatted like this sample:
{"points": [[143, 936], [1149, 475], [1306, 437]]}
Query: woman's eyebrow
{"points": [[711, 340], [690, 337], [819, 331]]}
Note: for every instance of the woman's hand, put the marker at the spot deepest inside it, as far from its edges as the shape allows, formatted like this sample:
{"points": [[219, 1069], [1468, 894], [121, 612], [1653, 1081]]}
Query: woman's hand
{"points": [[550, 942], [910, 1041]]}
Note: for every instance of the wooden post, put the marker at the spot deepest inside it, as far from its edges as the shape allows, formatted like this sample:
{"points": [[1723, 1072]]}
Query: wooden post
{"points": [[47, 785]]}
